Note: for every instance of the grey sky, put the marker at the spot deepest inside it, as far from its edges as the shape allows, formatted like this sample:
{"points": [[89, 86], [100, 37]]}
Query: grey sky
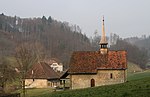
{"points": [[124, 17]]}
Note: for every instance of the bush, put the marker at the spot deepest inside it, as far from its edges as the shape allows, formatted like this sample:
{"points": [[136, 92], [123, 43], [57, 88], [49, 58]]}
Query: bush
{"points": [[10, 95]]}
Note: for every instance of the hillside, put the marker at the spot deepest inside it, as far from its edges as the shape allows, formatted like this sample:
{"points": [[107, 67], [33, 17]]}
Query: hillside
{"points": [[133, 68], [134, 54], [141, 42], [138, 75], [55, 39], [135, 88]]}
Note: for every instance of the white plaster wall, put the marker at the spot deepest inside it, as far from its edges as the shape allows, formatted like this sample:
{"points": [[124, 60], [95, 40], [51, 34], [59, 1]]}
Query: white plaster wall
{"points": [[37, 83]]}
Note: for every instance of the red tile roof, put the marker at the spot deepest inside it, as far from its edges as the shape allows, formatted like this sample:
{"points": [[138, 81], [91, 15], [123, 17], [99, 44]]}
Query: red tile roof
{"points": [[91, 61], [41, 71]]}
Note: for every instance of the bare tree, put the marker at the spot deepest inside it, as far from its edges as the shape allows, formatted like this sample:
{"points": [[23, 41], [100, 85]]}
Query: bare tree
{"points": [[7, 73], [26, 57]]}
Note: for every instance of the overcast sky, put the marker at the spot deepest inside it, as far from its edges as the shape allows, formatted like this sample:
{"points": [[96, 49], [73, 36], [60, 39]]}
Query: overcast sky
{"points": [[124, 17]]}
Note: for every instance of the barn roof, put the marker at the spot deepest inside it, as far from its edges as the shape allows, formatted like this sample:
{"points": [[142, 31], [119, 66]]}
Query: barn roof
{"points": [[91, 61], [42, 70]]}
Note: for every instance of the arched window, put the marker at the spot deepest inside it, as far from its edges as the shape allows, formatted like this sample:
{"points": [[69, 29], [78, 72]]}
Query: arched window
{"points": [[92, 82]]}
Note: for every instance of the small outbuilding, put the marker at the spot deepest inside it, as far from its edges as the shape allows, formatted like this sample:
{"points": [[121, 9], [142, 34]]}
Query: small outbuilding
{"points": [[41, 75]]}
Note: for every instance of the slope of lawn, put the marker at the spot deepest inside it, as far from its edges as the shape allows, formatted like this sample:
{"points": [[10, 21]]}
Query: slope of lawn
{"points": [[134, 88], [138, 85], [138, 75], [34, 92], [132, 68]]}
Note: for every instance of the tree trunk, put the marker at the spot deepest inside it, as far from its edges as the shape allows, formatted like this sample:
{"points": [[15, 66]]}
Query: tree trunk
{"points": [[24, 95], [24, 88]]}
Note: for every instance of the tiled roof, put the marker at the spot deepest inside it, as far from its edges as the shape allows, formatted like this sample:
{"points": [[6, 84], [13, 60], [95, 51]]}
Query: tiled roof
{"points": [[91, 61], [42, 71]]}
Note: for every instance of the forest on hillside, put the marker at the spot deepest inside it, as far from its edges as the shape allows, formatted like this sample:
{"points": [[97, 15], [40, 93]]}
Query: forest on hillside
{"points": [[55, 39]]}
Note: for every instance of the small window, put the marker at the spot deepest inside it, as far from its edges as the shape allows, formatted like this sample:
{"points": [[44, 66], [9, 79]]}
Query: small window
{"points": [[111, 75], [33, 80]]}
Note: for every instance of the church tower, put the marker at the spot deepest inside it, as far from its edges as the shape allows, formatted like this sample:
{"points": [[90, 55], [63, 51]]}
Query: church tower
{"points": [[103, 42]]}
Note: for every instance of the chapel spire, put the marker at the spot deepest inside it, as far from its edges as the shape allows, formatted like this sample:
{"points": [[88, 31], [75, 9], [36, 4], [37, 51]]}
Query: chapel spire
{"points": [[103, 37], [103, 41]]}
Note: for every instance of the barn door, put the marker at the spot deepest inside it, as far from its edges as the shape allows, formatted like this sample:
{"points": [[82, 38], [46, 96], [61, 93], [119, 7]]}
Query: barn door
{"points": [[92, 82]]}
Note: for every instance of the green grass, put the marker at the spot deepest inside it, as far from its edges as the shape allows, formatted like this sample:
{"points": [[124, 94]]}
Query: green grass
{"points": [[138, 75], [138, 85], [132, 68], [136, 88], [35, 92]]}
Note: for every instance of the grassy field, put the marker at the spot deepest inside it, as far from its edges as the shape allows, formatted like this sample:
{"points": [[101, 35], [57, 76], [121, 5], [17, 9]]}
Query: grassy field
{"points": [[136, 88], [138, 75], [35, 92], [132, 68], [138, 85]]}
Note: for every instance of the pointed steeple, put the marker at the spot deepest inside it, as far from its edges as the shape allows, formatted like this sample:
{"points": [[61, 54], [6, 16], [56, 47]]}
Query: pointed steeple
{"points": [[103, 41], [103, 37]]}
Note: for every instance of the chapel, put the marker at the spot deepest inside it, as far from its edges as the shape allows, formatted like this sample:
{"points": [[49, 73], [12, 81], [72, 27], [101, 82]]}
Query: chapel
{"points": [[97, 68]]}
